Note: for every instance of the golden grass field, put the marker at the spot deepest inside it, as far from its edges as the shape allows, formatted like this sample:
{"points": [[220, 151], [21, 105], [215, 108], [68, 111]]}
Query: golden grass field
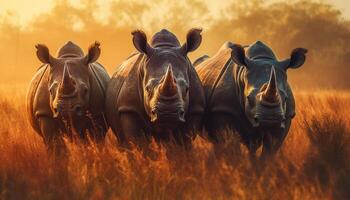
{"points": [[313, 163]]}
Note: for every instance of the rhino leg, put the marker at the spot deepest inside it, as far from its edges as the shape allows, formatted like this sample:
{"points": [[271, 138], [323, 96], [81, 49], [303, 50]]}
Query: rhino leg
{"points": [[283, 134], [52, 137], [216, 124], [180, 138], [270, 146], [253, 145], [194, 126], [132, 130], [273, 141], [98, 129], [58, 153]]}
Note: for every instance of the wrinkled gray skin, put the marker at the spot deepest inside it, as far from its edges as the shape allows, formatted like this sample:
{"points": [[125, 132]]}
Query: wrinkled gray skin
{"points": [[248, 91], [66, 95], [156, 92]]}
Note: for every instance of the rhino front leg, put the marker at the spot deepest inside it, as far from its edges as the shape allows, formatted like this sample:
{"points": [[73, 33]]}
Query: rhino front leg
{"points": [[58, 153], [132, 130], [217, 124], [52, 137], [98, 128], [282, 134], [273, 140], [193, 126]]}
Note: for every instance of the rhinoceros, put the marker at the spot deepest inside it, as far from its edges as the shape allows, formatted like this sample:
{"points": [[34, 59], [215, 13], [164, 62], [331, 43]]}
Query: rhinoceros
{"points": [[66, 95], [247, 91], [156, 92]]}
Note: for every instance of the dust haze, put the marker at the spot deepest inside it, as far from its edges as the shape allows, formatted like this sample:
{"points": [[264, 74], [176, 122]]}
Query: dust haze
{"points": [[319, 27]]}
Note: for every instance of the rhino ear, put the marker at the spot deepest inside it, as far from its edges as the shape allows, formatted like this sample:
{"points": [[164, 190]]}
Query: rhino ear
{"points": [[140, 42], [238, 54], [193, 40], [297, 58], [43, 54], [93, 53]]}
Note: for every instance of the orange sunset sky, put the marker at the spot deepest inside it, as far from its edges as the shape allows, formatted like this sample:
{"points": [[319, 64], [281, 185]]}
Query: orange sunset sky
{"points": [[25, 10], [323, 27]]}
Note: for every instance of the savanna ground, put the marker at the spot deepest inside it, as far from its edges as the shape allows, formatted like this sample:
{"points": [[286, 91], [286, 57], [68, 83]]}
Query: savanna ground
{"points": [[313, 163]]}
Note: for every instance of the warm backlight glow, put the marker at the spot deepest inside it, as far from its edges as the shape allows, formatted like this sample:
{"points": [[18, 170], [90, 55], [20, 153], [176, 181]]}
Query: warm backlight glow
{"points": [[319, 27]]}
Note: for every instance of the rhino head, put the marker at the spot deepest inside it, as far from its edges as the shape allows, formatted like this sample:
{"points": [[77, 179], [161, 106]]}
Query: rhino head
{"points": [[266, 93], [165, 75], [69, 84]]}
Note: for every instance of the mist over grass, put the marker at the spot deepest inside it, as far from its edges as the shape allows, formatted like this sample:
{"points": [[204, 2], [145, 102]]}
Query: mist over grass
{"points": [[319, 27]]}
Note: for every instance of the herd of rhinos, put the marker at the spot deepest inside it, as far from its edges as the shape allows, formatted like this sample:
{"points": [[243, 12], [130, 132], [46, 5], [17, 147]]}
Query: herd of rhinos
{"points": [[158, 93]]}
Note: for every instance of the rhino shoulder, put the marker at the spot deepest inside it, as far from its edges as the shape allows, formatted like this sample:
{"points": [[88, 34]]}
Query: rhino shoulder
{"points": [[129, 99], [197, 95], [122, 90], [99, 81], [37, 99], [222, 98]]}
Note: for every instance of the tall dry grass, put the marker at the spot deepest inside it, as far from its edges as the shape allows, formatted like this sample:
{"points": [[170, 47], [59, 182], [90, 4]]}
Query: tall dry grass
{"points": [[284, 25], [313, 163]]}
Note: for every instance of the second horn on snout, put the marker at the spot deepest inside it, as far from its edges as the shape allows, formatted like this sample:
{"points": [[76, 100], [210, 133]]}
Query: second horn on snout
{"points": [[168, 87], [271, 94]]}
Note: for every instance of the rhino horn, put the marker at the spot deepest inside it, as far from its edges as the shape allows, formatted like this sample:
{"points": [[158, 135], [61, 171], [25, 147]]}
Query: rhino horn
{"points": [[168, 87], [67, 85], [271, 94]]}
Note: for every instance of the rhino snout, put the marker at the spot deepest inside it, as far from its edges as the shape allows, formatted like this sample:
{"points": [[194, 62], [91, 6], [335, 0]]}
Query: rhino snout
{"points": [[168, 115], [66, 109], [269, 115]]}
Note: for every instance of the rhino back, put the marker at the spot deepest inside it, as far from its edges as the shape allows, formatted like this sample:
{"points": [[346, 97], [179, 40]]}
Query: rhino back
{"points": [[200, 60], [217, 76], [37, 100], [210, 69]]}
